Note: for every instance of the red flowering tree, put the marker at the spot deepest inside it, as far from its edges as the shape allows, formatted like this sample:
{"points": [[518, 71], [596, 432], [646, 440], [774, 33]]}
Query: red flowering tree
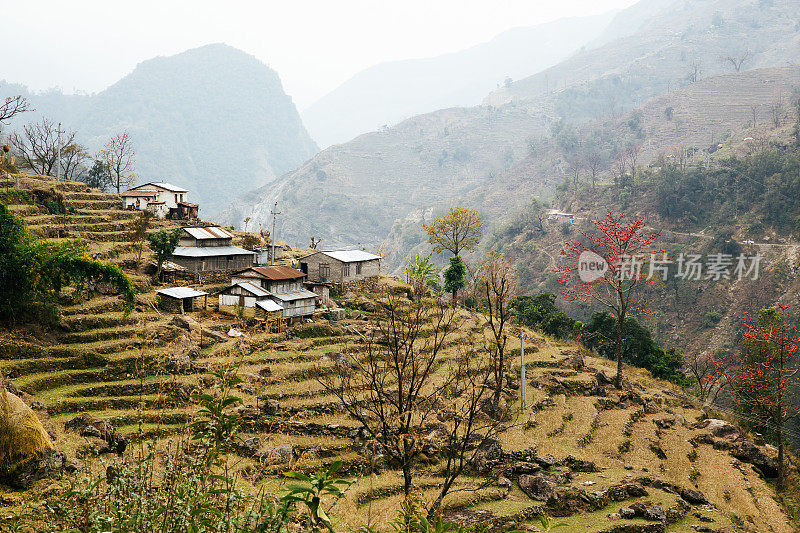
{"points": [[764, 375], [607, 266]]}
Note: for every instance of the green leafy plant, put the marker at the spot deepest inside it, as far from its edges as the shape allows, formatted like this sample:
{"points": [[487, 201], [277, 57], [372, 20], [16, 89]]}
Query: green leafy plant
{"points": [[314, 490]]}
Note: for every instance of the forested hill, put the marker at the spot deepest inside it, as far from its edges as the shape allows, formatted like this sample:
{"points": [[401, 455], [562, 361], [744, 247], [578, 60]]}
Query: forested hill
{"points": [[212, 119]]}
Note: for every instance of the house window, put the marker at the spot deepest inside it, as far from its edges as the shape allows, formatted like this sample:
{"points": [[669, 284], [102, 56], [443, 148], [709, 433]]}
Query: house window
{"points": [[346, 271], [358, 269], [324, 271]]}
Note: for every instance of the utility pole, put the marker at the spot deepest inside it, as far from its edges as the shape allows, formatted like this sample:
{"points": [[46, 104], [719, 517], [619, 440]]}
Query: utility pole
{"points": [[274, 214], [523, 390], [58, 154]]}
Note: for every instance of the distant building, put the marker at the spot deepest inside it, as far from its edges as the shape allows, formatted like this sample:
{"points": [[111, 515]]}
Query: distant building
{"points": [[558, 215], [341, 266], [180, 299], [209, 249], [164, 200]]}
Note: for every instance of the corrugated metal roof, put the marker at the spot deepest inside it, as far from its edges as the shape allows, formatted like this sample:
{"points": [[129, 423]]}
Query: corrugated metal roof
{"points": [[276, 272], [252, 288], [142, 194], [269, 306], [163, 185], [210, 251], [350, 256], [212, 232], [294, 295], [181, 292]]}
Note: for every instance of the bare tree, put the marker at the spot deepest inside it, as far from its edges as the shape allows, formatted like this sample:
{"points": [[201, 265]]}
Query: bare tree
{"points": [[498, 279], [738, 60], [118, 154], [398, 392], [777, 112], [695, 70], [12, 106], [754, 110], [73, 161], [37, 145], [593, 162], [707, 376]]}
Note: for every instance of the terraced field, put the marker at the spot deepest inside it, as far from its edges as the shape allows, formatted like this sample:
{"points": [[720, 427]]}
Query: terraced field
{"points": [[139, 370]]}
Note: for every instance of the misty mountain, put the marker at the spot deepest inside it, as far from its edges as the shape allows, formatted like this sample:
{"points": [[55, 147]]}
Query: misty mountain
{"points": [[389, 182], [393, 91], [213, 119]]}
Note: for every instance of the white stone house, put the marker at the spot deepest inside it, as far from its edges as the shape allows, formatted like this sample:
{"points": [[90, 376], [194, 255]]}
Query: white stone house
{"points": [[162, 199]]}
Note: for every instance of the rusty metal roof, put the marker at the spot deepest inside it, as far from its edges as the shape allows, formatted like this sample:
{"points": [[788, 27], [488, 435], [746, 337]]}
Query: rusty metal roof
{"points": [[276, 272], [134, 193], [212, 232]]}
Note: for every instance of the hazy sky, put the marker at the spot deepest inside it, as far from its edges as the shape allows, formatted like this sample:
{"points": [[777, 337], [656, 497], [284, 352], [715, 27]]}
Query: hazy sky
{"points": [[86, 45]]}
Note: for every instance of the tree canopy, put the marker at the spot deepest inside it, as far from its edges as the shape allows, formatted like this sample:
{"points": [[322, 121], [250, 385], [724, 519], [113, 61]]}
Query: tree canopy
{"points": [[33, 272], [460, 229]]}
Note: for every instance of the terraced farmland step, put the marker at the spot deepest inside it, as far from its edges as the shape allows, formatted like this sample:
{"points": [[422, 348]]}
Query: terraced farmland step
{"points": [[129, 403], [24, 367], [38, 384], [93, 204], [91, 307], [83, 322], [101, 334]]}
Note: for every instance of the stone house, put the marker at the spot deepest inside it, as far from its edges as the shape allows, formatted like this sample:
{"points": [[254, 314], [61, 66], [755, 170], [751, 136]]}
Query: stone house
{"points": [[162, 199], [341, 266], [241, 296], [210, 249], [181, 299]]}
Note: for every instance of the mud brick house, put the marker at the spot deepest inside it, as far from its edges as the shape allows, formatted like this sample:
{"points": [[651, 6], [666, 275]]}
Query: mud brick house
{"points": [[162, 199], [341, 266], [210, 249]]}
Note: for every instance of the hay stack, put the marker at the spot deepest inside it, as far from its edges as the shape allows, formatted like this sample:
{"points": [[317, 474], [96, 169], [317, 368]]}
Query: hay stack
{"points": [[23, 440]]}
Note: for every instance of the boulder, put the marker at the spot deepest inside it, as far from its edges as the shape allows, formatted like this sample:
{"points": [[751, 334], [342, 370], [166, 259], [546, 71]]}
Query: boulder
{"points": [[719, 428], [747, 452], [566, 501], [545, 462], [524, 467], [26, 452], [248, 412], [580, 465], [693, 496], [282, 455], [116, 442], [539, 486], [602, 379], [271, 406], [676, 512], [655, 514], [656, 449], [488, 455], [573, 361]]}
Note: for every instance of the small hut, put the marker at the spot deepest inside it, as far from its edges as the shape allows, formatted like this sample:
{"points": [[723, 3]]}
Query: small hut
{"points": [[181, 299]]}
